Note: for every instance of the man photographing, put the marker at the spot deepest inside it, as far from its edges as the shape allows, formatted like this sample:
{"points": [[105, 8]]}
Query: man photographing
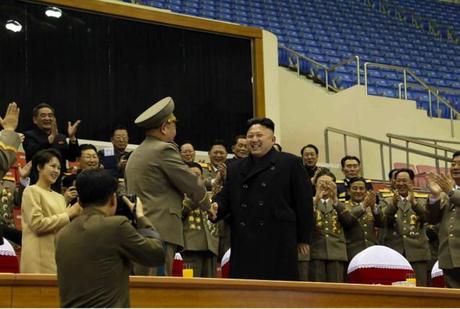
{"points": [[94, 251]]}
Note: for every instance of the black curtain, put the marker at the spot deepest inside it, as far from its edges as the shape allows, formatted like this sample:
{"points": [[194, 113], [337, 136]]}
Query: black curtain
{"points": [[105, 71]]}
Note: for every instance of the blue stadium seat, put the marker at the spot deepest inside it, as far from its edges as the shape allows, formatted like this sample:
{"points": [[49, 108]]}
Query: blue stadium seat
{"points": [[328, 35]]}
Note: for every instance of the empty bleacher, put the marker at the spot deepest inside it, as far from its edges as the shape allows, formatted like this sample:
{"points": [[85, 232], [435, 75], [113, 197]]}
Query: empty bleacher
{"points": [[330, 31]]}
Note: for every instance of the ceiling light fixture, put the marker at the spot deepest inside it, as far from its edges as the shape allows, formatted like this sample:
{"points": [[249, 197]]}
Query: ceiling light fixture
{"points": [[53, 11], [13, 25]]}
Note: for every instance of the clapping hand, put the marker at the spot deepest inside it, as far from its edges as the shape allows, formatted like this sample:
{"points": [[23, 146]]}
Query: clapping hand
{"points": [[445, 183], [24, 171], [54, 131], [72, 128], [10, 120], [370, 200]]}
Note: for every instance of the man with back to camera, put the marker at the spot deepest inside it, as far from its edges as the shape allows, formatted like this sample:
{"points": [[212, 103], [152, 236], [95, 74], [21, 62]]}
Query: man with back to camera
{"points": [[158, 175], [45, 135], [268, 200], [94, 251]]}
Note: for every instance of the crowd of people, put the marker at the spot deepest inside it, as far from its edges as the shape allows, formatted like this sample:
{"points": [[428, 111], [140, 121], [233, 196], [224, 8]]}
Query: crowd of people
{"points": [[283, 216]]}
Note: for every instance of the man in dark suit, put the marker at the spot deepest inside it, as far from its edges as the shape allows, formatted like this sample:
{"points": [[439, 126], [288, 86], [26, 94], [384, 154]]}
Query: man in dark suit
{"points": [[94, 251], [45, 135], [267, 198], [115, 158]]}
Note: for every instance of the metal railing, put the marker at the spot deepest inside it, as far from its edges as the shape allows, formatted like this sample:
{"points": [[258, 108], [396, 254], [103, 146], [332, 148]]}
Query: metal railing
{"points": [[321, 66], [427, 142], [431, 91], [361, 138]]}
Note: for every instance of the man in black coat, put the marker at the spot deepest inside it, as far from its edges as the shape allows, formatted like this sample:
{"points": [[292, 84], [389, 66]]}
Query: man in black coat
{"points": [[267, 199], [45, 135]]}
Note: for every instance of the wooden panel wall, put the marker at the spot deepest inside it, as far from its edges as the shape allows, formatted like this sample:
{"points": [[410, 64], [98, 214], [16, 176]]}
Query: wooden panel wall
{"points": [[26, 290]]}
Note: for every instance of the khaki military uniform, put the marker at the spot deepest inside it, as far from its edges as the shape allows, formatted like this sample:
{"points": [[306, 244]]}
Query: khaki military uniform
{"points": [[383, 194], [201, 241], [328, 251], [446, 211], [223, 228], [406, 232], [360, 231], [156, 173], [342, 193], [9, 143]]}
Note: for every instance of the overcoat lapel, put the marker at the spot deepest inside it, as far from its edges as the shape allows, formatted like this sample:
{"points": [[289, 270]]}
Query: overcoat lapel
{"points": [[251, 167]]}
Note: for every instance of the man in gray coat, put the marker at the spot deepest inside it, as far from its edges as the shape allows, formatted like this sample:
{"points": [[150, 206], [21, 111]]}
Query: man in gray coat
{"points": [[157, 174]]}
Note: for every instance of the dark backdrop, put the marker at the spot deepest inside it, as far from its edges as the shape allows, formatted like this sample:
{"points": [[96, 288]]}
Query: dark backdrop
{"points": [[105, 71]]}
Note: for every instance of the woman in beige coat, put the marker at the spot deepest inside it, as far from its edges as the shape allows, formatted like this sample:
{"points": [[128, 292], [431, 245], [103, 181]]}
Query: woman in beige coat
{"points": [[44, 213]]}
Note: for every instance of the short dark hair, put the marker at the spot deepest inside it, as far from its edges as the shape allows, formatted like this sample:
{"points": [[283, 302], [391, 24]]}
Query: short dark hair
{"points": [[44, 156], [325, 172], [354, 179], [392, 172], [40, 106], [217, 142], [342, 162], [309, 146], [455, 154], [239, 136], [95, 187], [186, 142], [195, 164], [406, 170], [84, 147], [118, 127], [266, 122]]}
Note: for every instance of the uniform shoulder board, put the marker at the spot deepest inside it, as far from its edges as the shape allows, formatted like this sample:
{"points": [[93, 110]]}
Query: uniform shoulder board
{"points": [[204, 164], [421, 195], [386, 190], [368, 180], [387, 194], [339, 181]]}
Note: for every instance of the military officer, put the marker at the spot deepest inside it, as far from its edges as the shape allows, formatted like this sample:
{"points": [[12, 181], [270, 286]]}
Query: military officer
{"points": [[404, 216], [360, 231], [443, 205], [9, 144], [217, 159], [201, 242], [156, 173], [351, 167], [328, 249], [217, 166]]}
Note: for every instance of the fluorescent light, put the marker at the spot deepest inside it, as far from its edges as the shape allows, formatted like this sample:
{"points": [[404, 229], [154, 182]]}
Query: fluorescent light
{"points": [[53, 11], [13, 25]]}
